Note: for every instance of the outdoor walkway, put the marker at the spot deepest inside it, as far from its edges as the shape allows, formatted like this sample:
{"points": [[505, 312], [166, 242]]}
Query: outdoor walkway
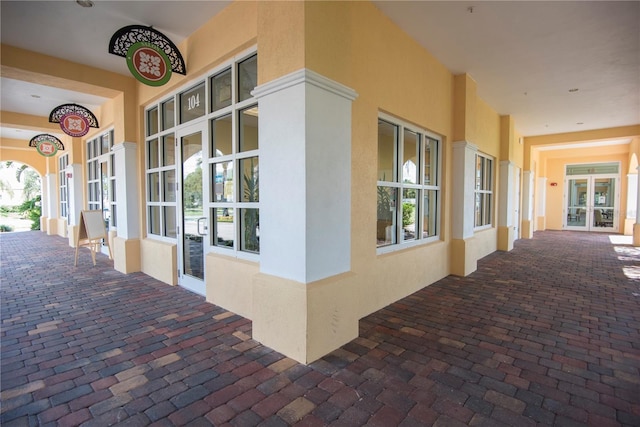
{"points": [[547, 334]]}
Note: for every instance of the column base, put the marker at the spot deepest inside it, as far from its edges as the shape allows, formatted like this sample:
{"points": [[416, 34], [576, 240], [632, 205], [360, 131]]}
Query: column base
{"points": [[303, 321], [527, 229], [636, 234], [126, 254], [505, 238], [463, 257]]}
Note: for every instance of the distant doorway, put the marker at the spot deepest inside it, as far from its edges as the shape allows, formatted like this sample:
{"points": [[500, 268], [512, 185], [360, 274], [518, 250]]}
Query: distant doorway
{"points": [[592, 197]]}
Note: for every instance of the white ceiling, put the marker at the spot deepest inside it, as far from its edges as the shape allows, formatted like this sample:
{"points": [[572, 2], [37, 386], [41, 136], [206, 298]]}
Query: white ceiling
{"points": [[526, 56]]}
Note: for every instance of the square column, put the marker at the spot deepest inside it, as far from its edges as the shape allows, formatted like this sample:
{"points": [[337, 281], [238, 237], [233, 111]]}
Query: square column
{"points": [[75, 204], [126, 245], [506, 206], [463, 258], [305, 210], [527, 205], [49, 204]]}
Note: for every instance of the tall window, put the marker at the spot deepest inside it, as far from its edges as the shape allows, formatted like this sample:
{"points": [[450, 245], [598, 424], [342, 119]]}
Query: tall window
{"points": [[408, 189], [63, 162], [101, 177], [161, 182], [225, 102], [234, 159], [483, 191]]}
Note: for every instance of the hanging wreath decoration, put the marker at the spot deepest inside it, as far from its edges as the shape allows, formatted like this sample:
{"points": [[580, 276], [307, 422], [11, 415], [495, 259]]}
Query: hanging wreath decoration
{"points": [[151, 56], [75, 120], [47, 145]]}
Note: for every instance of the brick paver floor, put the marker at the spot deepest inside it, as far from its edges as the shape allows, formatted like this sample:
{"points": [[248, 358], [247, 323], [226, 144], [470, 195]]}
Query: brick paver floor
{"points": [[547, 334]]}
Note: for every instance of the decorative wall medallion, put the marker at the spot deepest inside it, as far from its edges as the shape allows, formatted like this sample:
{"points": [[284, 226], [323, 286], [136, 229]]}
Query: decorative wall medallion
{"points": [[151, 56], [148, 64], [75, 120], [47, 145]]}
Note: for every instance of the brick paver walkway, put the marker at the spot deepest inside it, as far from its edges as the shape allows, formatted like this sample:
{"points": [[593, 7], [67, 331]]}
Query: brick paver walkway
{"points": [[547, 334]]}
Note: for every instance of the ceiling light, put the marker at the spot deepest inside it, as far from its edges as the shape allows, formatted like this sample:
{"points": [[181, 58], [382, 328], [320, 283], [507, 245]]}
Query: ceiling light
{"points": [[85, 3], [575, 89], [35, 96], [580, 123]]}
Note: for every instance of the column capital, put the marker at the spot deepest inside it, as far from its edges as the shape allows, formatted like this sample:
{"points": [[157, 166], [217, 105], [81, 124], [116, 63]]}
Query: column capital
{"points": [[307, 76]]}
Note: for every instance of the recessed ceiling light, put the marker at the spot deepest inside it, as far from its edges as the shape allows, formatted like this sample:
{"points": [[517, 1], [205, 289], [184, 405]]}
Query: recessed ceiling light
{"points": [[85, 3], [575, 89], [35, 96], [580, 123]]}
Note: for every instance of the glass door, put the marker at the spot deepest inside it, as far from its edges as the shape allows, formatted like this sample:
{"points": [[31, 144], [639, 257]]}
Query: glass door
{"points": [[194, 223], [592, 203]]}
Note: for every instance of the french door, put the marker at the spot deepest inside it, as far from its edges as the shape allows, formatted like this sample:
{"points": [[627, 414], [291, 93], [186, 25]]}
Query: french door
{"points": [[192, 216], [592, 203]]}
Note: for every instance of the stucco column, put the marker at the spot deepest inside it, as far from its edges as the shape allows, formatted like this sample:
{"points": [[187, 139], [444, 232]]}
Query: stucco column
{"points": [[541, 204], [49, 203], [305, 208], [75, 204], [505, 206], [527, 205], [636, 226], [126, 245], [463, 260]]}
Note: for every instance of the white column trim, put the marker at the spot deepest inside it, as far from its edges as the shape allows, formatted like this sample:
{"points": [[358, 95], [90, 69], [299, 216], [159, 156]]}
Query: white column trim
{"points": [[464, 160], [506, 194], [125, 158], [304, 75], [527, 196]]}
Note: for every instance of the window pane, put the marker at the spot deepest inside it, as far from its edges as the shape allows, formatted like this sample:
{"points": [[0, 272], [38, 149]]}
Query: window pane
{"points": [[221, 136], [409, 213], [168, 115], [152, 149], [106, 143], [152, 121], [168, 150], [247, 77], [430, 162], [154, 220], [387, 146], [478, 210], [249, 129], [486, 216], [223, 188], [410, 160], [249, 175], [249, 230], [479, 171], [429, 214], [221, 90], [114, 216], [169, 180], [170, 221], [223, 232], [192, 103], [486, 175], [154, 187], [386, 220]]}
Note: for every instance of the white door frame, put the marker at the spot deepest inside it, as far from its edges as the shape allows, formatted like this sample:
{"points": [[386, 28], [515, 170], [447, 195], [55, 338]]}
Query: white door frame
{"points": [[196, 227], [590, 208]]}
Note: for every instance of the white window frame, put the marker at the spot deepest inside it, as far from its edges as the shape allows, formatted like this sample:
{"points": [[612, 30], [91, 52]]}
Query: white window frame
{"points": [[421, 187], [95, 157], [234, 110], [483, 188], [63, 182]]}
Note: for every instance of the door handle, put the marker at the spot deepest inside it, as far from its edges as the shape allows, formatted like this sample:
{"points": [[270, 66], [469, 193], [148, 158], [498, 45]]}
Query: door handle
{"points": [[206, 228]]}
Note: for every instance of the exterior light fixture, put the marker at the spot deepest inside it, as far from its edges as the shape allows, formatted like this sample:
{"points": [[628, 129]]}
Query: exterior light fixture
{"points": [[85, 3], [575, 89]]}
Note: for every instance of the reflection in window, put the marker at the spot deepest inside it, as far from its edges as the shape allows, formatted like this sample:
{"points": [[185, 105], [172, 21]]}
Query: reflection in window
{"points": [[247, 77], [221, 136], [249, 129], [416, 154], [221, 90], [483, 191], [223, 227]]}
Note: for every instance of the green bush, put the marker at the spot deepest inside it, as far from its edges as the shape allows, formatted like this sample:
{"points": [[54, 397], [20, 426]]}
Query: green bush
{"points": [[5, 228]]}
